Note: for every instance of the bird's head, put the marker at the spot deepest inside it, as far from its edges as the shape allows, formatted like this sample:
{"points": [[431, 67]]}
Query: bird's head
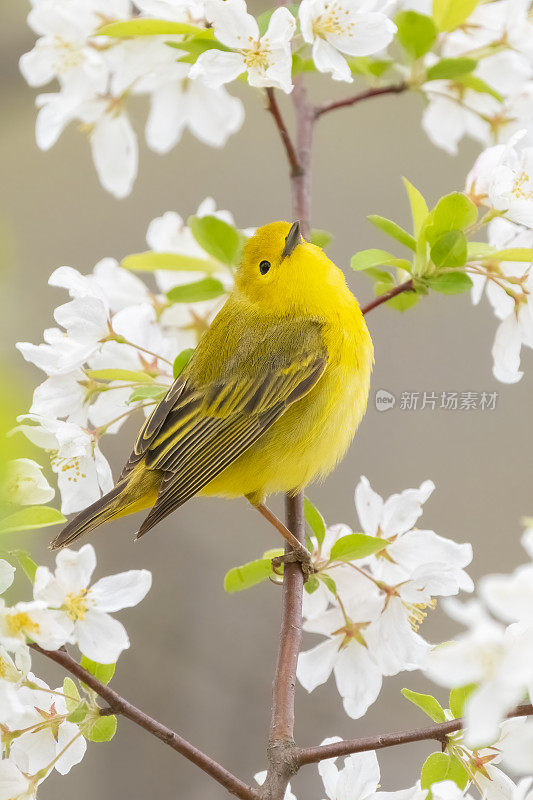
{"points": [[283, 273]]}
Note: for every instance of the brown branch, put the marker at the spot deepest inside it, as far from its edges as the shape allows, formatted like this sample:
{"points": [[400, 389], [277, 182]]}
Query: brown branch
{"points": [[346, 102], [274, 109], [437, 732], [119, 705], [382, 298]]}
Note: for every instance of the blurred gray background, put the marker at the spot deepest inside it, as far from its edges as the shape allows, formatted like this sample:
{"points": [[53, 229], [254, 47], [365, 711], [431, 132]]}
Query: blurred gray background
{"points": [[201, 661]]}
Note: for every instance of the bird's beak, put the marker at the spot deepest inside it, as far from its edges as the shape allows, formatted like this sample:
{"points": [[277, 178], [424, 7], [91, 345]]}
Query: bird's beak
{"points": [[292, 240]]}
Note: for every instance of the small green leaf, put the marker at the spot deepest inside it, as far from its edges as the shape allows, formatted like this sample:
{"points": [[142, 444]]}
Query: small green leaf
{"points": [[329, 582], [450, 68], [392, 229], [403, 301], [419, 209], [79, 713], [99, 728], [151, 27], [454, 211], [129, 375], [478, 85], [380, 275], [320, 238], [449, 14], [31, 517], [312, 584], [26, 562], [72, 695], [247, 575], [429, 704], [366, 259], [442, 767], [416, 33], [369, 67], [206, 289], [155, 393], [150, 262], [181, 361], [478, 250], [315, 520], [513, 254], [450, 282], [103, 672], [458, 698], [355, 546], [449, 250], [216, 237]]}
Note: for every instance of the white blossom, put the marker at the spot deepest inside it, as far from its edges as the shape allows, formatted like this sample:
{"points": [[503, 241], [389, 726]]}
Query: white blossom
{"points": [[267, 59], [7, 575], [337, 27], [25, 483], [86, 609]]}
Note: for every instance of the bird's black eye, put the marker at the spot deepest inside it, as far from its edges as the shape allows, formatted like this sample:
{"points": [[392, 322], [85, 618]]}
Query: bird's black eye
{"points": [[264, 266]]}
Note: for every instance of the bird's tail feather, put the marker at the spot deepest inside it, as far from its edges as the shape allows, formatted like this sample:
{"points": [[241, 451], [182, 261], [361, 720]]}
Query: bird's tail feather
{"points": [[98, 512]]}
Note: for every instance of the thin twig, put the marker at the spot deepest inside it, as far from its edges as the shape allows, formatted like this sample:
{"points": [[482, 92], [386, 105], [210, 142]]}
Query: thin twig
{"points": [[273, 107], [395, 88], [121, 706], [382, 298], [437, 732]]}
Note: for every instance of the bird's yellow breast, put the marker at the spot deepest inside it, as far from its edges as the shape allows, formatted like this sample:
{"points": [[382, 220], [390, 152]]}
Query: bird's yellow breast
{"points": [[314, 433]]}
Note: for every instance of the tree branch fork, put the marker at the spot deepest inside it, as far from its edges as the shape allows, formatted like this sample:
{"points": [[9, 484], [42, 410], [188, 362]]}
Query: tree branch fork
{"points": [[283, 752]]}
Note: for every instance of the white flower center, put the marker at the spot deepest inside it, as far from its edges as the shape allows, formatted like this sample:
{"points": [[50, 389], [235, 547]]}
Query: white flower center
{"points": [[66, 55], [76, 605], [20, 622], [256, 59], [332, 20], [418, 613], [522, 187], [69, 467]]}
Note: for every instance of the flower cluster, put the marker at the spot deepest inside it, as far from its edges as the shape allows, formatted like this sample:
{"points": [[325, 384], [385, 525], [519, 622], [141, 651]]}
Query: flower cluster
{"points": [[502, 180], [44, 729], [114, 350], [493, 658], [370, 594]]}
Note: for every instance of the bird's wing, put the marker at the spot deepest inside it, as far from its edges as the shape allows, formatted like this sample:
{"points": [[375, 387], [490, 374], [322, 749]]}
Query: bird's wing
{"points": [[200, 428]]}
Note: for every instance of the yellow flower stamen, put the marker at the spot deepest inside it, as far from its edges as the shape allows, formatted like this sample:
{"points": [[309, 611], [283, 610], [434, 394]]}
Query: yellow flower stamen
{"points": [[76, 605], [21, 622]]}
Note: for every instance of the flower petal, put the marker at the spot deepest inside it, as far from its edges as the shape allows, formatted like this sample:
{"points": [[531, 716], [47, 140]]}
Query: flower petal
{"points": [[124, 590]]}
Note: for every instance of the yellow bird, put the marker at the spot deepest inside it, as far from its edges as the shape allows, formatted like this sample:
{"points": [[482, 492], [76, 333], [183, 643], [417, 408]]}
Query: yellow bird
{"points": [[270, 400]]}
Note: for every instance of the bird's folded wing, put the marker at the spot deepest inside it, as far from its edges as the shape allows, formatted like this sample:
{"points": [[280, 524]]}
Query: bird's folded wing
{"points": [[199, 430]]}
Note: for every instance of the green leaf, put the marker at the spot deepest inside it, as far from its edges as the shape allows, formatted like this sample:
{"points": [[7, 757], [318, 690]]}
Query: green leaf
{"points": [[72, 695], [26, 562], [442, 767], [478, 85], [247, 575], [366, 259], [151, 27], [216, 237], [458, 698], [329, 582], [477, 250], [205, 289], [98, 728], [190, 50], [416, 33], [450, 68], [129, 375], [103, 672], [453, 212], [450, 282], [404, 301], [155, 393], [392, 229], [449, 250], [429, 704], [181, 361], [369, 67], [513, 254], [31, 517], [312, 584], [315, 520], [320, 238], [355, 546], [419, 209], [449, 14], [79, 713], [380, 275], [150, 261]]}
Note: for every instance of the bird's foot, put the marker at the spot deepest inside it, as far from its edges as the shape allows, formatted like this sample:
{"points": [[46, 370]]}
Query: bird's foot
{"points": [[300, 556]]}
